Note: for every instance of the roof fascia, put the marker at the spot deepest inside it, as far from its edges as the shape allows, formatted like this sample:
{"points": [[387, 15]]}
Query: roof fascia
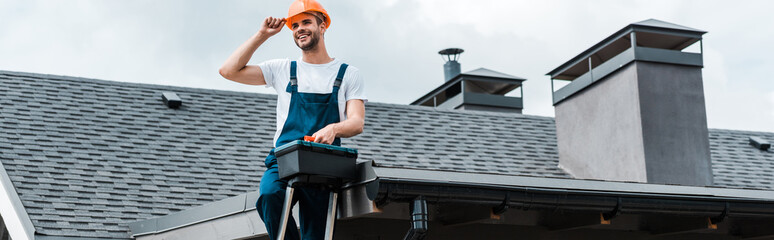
{"points": [[14, 214]]}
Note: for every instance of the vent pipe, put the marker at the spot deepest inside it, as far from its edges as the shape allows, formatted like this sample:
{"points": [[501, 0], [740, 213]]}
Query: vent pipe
{"points": [[419, 220], [451, 68]]}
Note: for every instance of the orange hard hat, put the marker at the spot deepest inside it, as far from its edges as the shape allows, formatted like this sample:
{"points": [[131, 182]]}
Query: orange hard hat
{"points": [[301, 6]]}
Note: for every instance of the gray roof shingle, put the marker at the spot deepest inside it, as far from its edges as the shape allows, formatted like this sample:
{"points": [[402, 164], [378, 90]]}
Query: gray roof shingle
{"points": [[89, 156], [737, 164]]}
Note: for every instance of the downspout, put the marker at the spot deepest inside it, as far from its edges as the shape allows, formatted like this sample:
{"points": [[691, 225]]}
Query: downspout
{"points": [[419, 219]]}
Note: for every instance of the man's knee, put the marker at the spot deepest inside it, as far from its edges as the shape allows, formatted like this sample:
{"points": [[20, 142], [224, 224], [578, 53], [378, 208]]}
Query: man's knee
{"points": [[270, 199]]}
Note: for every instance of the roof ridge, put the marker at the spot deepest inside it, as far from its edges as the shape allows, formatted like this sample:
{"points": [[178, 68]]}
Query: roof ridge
{"points": [[737, 130], [128, 84], [161, 87]]}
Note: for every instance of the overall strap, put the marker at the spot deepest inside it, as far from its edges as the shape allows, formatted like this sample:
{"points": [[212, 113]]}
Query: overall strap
{"points": [[293, 78], [340, 76]]}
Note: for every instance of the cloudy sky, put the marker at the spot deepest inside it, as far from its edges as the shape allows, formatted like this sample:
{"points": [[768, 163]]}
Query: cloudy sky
{"points": [[393, 42]]}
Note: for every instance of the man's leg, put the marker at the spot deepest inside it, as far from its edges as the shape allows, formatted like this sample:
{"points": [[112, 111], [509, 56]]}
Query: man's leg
{"points": [[313, 209], [269, 204]]}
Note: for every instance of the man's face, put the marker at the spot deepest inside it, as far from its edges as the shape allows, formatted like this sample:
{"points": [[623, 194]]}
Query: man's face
{"points": [[306, 31]]}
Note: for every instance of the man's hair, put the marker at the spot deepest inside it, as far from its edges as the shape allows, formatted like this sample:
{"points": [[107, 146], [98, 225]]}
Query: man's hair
{"points": [[317, 15]]}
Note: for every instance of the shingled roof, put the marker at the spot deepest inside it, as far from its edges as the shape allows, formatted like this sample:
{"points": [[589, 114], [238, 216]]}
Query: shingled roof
{"points": [[88, 156]]}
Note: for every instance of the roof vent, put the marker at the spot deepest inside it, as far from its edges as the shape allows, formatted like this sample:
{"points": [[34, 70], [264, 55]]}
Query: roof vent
{"points": [[759, 143], [451, 68], [171, 100], [481, 89]]}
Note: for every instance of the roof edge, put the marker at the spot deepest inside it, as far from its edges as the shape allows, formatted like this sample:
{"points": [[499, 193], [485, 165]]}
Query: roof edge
{"points": [[652, 22], [203, 213], [47, 237], [14, 214], [504, 75]]}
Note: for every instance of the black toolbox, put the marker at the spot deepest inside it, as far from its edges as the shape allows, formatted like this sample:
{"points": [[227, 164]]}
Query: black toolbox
{"points": [[317, 160]]}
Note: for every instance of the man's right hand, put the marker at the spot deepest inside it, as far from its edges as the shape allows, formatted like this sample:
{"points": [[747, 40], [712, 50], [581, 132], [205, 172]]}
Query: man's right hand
{"points": [[271, 26]]}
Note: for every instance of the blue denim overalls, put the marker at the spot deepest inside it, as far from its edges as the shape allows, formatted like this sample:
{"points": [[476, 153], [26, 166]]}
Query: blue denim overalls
{"points": [[308, 113]]}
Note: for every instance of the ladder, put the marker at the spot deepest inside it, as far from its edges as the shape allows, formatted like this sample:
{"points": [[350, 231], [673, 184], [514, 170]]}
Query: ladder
{"points": [[330, 218], [305, 163]]}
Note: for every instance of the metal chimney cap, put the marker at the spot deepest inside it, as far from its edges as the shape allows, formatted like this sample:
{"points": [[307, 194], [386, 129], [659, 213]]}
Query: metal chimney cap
{"points": [[451, 55], [451, 51]]}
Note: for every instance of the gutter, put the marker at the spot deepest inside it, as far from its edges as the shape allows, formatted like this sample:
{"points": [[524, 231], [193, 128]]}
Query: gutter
{"points": [[14, 214], [503, 192]]}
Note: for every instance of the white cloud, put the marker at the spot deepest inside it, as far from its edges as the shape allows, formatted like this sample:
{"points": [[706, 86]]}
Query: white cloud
{"points": [[715, 79], [771, 107]]}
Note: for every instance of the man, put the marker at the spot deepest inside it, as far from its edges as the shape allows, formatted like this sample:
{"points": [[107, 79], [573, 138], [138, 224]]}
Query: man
{"points": [[317, 95]]}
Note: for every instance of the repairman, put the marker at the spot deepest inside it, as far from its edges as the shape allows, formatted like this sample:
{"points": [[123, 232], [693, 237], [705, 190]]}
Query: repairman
{"points": [[318, 96]]}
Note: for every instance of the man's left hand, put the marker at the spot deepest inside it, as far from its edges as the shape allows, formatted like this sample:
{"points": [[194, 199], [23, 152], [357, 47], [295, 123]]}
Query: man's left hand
{"points": [[352, 126], [326, 135]]}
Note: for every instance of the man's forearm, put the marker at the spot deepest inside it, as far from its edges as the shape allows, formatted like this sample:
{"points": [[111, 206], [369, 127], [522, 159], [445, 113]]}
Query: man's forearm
{"points": [[348, 128], [235, 68], [242, 55]]}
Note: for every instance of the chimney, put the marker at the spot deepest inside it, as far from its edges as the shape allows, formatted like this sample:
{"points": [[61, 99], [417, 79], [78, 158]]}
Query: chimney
{"points": [[634, 108], [481, 89]]}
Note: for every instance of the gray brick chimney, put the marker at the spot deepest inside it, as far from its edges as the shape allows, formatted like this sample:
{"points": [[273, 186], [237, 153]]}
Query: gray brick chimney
{"points": [[634, 108]]}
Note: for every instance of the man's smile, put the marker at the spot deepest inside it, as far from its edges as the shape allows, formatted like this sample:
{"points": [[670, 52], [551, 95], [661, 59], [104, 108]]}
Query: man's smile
{"points": [[302, 36]]}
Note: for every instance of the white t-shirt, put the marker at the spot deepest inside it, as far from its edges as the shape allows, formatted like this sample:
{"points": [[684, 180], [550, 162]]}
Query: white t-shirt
{"points": [[312, 78]]}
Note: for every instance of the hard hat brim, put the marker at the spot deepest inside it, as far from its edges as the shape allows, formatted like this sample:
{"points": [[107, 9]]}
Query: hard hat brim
{"points": [[327, 19]]}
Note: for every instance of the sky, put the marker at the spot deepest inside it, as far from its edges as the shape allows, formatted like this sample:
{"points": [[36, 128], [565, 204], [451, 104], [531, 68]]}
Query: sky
{"points": [[393, 42]]}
